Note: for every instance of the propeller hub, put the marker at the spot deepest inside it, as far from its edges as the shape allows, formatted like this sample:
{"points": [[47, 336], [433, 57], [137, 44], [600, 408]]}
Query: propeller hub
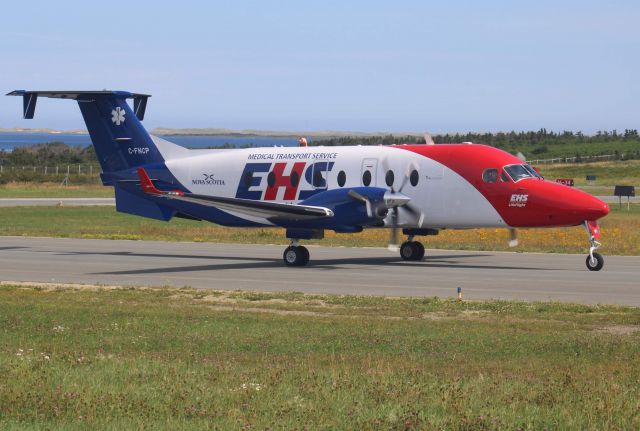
{"points": [[395, 199]]}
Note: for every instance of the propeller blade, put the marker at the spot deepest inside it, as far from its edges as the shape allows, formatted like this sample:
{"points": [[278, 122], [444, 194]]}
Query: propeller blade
{"points": [[393, 239], [513, 238], [411, 209], [414, 212], [358, 197], [428, 139], [412, 167]]}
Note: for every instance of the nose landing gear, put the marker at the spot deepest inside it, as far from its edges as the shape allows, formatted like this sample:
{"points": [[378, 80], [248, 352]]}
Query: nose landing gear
{"points": [[595, 261]]}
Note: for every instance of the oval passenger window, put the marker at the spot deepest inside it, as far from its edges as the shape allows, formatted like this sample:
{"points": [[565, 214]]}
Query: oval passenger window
{"points": [[271, 179], [342, 178], [389, 177], [295, 179], [414, 178], [366, 178]]}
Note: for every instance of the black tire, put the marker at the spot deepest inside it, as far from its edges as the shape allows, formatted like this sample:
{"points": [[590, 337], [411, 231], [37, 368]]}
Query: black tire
{"points": [[419, 250], [295, 256], [598, 264], [407, 251], [304, 255]]}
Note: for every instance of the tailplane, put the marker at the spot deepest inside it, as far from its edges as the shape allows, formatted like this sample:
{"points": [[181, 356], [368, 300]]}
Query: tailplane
{"points": [[120, 140]]}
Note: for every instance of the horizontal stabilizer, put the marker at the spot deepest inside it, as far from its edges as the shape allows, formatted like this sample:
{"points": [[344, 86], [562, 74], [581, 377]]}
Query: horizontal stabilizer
{"points": [[30, 98]]}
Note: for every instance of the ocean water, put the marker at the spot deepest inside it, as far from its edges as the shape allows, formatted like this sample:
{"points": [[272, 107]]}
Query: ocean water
{"points": [[9, 141]]}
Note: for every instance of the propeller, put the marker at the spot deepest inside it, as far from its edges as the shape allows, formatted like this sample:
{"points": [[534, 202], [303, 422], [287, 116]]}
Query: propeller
{"points": [[357, 196], [396, 199], [428, 139], [513, 238], [513, 233]]}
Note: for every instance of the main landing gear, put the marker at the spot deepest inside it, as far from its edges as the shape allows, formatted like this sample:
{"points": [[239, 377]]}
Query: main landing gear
{"points": [[295, 255], [412, 250], [595, 261]]}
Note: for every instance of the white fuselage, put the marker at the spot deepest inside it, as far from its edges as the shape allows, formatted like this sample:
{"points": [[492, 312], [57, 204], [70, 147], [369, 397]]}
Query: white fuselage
{"points": [[443, 198]]}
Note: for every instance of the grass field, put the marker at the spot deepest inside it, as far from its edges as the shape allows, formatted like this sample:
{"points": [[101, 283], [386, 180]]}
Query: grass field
{"points": [[620, 231], [103, 358], [54, 190], [607, 173]]}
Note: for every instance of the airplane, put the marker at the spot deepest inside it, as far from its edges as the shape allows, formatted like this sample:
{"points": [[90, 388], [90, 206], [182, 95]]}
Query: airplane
{"points": [[421, 189]]}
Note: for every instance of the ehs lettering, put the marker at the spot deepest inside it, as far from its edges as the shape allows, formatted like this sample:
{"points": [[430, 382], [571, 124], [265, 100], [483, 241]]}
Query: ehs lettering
{"points": [[518, 200], [259, 177]]}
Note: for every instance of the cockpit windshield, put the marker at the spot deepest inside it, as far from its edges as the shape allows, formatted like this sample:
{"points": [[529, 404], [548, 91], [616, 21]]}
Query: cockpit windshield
{"points": [[519, 172]]}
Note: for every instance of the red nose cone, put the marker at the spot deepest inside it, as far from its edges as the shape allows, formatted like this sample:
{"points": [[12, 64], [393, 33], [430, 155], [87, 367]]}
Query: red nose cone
{"points": [[596, 209]]}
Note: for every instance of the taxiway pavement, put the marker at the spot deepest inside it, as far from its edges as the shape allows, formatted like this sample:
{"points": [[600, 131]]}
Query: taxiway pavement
{"points": [[358, 271]]}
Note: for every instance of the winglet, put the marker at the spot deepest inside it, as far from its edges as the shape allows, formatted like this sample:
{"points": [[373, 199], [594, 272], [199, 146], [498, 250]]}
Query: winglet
{"points": [[146, 183]]}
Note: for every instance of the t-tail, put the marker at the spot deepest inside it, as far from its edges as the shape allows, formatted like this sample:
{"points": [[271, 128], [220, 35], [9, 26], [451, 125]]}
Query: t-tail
{"points": [[121, 142], [122, 146]]}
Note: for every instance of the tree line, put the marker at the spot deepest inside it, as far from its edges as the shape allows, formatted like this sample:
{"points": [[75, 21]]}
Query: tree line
{"points": [[499, 139], [533, 144], [49, 154]]}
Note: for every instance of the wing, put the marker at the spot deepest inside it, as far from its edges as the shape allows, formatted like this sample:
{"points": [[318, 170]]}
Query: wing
{"points": [[268, 210]]}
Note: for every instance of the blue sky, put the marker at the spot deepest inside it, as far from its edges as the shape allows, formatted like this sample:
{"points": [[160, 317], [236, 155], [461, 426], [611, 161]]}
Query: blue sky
{"points": [[441, 66]]}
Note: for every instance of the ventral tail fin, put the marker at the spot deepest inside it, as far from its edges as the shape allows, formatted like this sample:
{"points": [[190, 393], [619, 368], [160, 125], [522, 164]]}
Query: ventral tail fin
{"points": [[120, 140]]}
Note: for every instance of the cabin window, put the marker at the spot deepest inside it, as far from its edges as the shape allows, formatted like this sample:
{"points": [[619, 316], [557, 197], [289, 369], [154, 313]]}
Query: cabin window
{"points": [[490, 175], [414, 178], [366, 178], [271, 179], [294, 178], [342, 178], [389, 177], [318, 180]]}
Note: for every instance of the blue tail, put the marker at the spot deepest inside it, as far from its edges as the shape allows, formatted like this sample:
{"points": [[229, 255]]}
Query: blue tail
{"points": [[120, 140], [122, 145]]}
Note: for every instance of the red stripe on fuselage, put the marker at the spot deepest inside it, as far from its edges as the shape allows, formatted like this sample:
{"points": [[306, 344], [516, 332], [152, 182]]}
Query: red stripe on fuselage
{"points": [[546, 203]]}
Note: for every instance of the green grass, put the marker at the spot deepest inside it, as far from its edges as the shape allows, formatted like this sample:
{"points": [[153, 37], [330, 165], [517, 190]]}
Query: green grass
{"points": [[188, 359], [620, 231], [607, 173], [547, 151], [54, 190]]}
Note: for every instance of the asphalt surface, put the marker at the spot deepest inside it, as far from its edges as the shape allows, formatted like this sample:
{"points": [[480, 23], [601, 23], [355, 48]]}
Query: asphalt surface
{"points": [[359, 271]]}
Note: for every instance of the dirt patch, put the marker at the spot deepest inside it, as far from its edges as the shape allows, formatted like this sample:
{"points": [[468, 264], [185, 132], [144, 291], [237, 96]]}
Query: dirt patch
{"points": [[619, 329], [64, 286]]}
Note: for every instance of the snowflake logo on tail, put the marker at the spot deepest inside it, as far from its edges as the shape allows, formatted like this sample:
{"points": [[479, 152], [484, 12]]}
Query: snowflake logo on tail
{"points": [[117, 116]]}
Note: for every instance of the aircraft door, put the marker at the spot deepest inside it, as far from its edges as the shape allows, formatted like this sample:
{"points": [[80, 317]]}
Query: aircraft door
{"points": [[369, 172]]}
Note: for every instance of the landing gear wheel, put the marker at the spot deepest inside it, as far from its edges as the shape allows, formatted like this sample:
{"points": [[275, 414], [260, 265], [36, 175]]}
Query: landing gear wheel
{"points": [[419, 248], [411, 250], [296, 256], [596, 263]]}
